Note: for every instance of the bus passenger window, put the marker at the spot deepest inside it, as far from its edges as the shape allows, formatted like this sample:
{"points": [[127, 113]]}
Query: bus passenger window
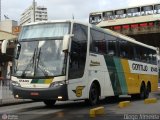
{"points": [[98, 42], [112, 48], [123, 48]]}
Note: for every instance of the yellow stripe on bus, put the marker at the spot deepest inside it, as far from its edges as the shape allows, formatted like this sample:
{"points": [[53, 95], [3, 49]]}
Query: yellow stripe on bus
{"points": [[128, 76], [134, 80], [48, 81]]}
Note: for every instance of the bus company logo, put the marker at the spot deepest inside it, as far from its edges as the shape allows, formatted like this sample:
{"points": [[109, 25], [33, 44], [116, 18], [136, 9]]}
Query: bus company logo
{"points": [[78, 90], [22, 80], [139, 67], [95, 63], [4, 116]]}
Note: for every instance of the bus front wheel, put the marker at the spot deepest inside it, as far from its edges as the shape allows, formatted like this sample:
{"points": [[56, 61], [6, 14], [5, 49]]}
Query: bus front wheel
{"points": [[49, 103], [93, 95]]}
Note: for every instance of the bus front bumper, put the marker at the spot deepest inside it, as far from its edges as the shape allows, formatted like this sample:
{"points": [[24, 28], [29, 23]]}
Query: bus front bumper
{"points": [[52, 93]]}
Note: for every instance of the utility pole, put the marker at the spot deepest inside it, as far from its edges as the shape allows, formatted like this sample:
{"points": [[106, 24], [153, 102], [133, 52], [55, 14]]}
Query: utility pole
{"points": [[0, 10], [34, 5]]}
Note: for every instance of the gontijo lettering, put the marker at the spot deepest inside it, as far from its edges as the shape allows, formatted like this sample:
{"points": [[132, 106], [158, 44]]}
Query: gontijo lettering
{"points": [[139, 67]]}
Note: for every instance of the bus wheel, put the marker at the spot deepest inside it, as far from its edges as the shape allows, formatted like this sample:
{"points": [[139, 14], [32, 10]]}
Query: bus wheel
{"points": [[143, 92], [93, 95], [148, 90], [49, 103]]}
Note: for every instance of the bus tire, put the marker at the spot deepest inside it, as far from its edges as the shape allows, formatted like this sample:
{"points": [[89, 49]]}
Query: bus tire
{"points": [[49, 103], [142, 94], [93, 95], [148, 90]]}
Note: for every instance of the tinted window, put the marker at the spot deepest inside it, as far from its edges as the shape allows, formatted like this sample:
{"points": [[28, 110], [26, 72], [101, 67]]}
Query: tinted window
{"points": [[126, 49], [146, 55], [112, 47], [78, 51], [98, 42]]}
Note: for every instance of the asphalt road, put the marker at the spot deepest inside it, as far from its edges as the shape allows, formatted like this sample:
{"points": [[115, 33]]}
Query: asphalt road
{"points": [[80, 111]]}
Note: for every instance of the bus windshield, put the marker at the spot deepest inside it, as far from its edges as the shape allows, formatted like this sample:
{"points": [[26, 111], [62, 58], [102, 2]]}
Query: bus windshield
{"points": [[49, 30], [41, 56]]}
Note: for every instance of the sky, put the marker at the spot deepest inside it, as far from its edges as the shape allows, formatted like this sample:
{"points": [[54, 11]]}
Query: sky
{"points": [[65, 9]]}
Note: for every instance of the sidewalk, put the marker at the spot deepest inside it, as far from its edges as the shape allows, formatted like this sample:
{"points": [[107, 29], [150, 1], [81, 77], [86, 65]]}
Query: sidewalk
{"points": [[6, 97]]}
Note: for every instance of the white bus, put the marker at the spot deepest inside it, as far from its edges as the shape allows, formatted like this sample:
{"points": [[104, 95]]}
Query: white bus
{"points": [[68, 60]]}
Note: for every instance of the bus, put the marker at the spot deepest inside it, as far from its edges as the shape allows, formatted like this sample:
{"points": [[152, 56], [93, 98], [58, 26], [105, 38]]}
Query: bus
{"points": [[68, 60]]}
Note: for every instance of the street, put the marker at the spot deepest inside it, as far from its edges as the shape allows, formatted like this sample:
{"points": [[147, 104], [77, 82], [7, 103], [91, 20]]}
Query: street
{"points": [[70, 110]]}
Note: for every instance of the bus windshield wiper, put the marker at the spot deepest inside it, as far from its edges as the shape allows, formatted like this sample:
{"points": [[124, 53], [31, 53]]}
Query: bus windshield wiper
{"points": [[32, 62], [41, 65]]}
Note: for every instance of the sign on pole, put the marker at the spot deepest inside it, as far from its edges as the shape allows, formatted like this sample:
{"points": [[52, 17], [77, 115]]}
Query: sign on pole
{"points": [[16, 29]]}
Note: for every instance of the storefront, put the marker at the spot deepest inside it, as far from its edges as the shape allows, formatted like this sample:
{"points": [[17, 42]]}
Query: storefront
{"points": [[6, 60]]}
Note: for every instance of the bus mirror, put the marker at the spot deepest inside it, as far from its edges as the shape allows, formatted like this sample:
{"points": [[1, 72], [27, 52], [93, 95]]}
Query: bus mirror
{"points": [[18, 51], [4, 46], [66, 40]]}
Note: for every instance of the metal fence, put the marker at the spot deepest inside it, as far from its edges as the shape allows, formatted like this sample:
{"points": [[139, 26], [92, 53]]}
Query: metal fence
{"points": [[6, 96]]}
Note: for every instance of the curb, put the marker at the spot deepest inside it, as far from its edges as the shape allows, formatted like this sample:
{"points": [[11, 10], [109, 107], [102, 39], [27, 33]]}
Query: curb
{"points": [[124, 104], [96, 111]]}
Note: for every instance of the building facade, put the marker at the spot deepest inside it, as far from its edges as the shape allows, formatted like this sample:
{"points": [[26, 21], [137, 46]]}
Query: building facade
{"points": [[7, 25], [29, 16]]}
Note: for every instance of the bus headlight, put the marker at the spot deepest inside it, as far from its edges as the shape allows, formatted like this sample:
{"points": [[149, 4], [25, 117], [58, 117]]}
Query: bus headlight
{"points": [[15, 83], [57, 83]]}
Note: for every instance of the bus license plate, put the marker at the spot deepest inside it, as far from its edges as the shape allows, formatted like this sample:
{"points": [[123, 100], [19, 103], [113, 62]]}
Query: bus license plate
{"points": [[34, 93]]}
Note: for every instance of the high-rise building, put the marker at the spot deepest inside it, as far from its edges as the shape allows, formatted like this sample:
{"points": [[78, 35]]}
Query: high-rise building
{"points": [[33, 14]]}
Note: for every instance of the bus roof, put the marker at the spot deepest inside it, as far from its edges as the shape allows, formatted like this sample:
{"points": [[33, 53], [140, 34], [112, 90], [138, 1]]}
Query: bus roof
{"points": [[56, 21], [48, 21]]}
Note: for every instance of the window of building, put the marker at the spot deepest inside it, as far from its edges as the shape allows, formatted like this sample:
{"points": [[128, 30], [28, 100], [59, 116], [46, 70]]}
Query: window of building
{"points": [[109, 15], [157, 9], [131, 12], [147, 10]]}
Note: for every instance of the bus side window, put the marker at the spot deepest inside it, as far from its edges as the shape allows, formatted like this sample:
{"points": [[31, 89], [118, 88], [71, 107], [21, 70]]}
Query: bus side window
{"points": [[154, 57], [131, 51], [137, 53], [98, 42], [112, 44], [123, 48], [112, 48]]}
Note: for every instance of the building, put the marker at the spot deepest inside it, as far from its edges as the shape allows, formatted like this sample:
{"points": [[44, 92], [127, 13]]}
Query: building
{"points": [[6, 60], [139, 22], [7, 25], [7, 30], [28, 15]]}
